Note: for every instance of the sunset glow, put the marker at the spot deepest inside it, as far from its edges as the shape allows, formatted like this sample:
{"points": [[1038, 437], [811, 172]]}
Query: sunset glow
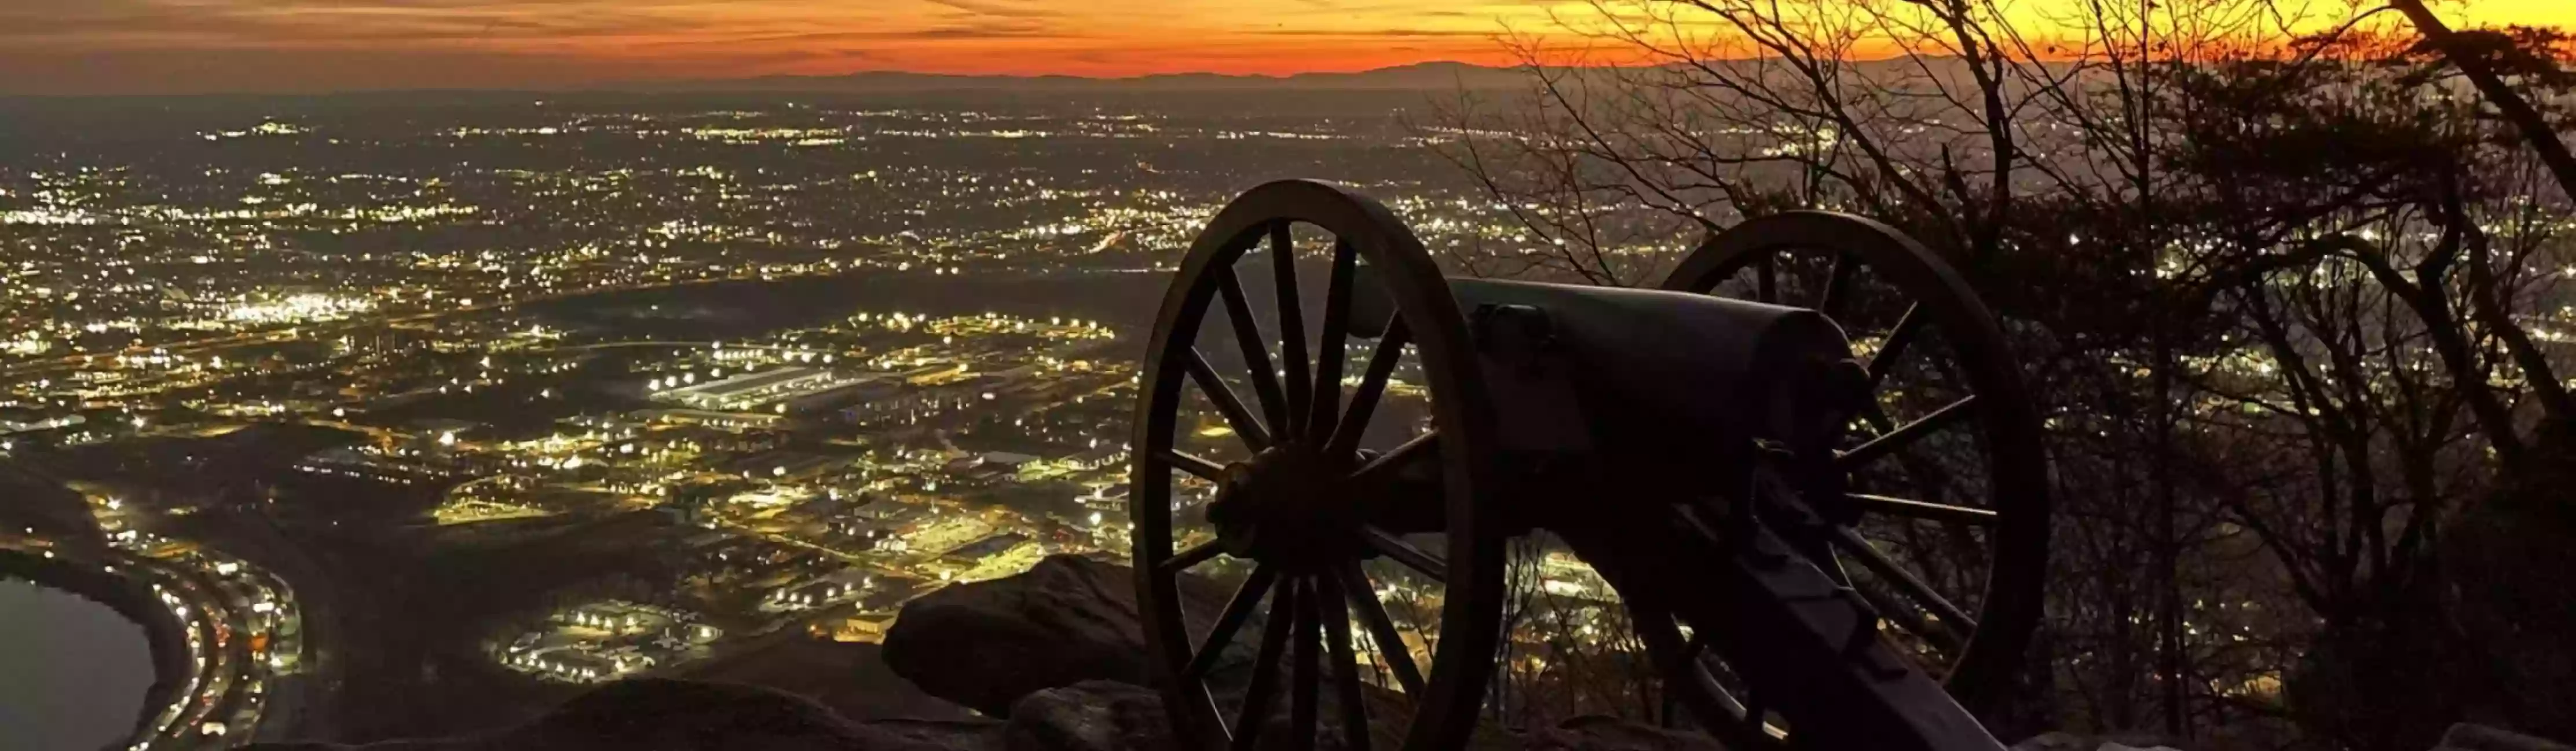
{"points": [[142, 46]]}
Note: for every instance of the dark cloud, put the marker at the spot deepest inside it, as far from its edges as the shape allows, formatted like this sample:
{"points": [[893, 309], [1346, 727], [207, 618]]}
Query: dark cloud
{"points": [[1002, 8], [950, 33], [140, 46], [302, 71], [990, 31], [127, 23], [1372, 33]]}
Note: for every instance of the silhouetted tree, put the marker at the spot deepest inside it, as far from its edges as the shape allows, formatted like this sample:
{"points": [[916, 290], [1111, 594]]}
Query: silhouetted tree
{"points": [[2283, 295]]}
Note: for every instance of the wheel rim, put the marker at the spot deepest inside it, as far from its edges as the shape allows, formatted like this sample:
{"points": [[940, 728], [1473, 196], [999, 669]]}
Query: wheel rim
{"points": [[1760, 259], [1292, 505]]}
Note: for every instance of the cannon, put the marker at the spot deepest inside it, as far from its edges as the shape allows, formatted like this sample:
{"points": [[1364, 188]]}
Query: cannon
{"points": [[1802, 470]]}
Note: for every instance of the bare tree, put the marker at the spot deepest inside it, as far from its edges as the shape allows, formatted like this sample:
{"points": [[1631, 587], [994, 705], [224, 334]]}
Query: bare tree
{"points": [[2277, 288]]}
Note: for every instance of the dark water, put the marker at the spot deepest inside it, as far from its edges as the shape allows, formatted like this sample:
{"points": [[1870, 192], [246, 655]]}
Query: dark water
{"points": [[72, 672]]}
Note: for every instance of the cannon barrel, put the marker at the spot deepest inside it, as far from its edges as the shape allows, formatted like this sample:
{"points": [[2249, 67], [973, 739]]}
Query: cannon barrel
{"points": [[1656, 384]]}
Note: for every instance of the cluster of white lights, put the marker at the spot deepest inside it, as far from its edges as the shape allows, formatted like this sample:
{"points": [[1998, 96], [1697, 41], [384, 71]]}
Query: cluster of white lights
{"points": [[297, 308]]}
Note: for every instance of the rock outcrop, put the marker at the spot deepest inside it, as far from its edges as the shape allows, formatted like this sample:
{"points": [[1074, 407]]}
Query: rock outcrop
{"points": [[1089, 716], [2064, 741], [671, 715], [668, 715], [2474, 737], [1058, 652], [1596, 733], [1068, 620]]}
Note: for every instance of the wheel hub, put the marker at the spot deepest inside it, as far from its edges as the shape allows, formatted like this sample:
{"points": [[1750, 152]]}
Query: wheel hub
{"points": [[1286, 505]]}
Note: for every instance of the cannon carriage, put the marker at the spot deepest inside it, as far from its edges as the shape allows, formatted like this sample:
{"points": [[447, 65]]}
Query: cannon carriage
{"points": [[1804, 465]]}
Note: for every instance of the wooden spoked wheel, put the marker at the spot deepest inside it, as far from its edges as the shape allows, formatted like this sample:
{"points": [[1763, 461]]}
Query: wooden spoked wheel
{"points": [[1294, 495], [1942, 523]]}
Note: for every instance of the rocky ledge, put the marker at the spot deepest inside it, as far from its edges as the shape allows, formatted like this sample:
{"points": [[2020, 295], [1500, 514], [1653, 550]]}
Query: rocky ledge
{"points": [[988, 644], [667, 715], [1057, 655]]}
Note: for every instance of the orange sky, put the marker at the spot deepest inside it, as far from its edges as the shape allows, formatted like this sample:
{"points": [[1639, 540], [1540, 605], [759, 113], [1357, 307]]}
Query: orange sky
{"points": [[141, 46]]}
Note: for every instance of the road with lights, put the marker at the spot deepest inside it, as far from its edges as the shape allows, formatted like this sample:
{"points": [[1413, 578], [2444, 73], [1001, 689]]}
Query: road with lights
{"points": [[238, 626]]}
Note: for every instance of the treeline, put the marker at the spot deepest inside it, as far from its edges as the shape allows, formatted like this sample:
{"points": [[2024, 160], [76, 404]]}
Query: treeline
{"points": [[2290, 285]]}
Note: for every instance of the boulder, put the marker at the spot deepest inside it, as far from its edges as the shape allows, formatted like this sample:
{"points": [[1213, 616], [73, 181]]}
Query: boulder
{"points": [[2055, 740], [849, 677], [1089, 716], [2469, 736], [2065, 741], [1067, 620], [1598, 733], [957, 735]]}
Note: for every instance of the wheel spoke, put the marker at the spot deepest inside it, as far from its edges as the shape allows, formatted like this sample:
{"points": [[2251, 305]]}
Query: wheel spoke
{"points": [[1196, 555], [1879, 504], [1292, 325], [1247, 334], [1837, 282], [1876, 416], [1907, 325], [1906, 617], [1394, 460], [1255, 711], [1663, 643], [1390, 644], [1893, 573], [1767, 278], [1906, 434], [1244, 424], [1404, 552], [1328, 347], [1729, 708], [1821, 554], [1381, 366], [1687, 680], [1346, 668], [1304, 689], [1230, 620], [1186, 462]]}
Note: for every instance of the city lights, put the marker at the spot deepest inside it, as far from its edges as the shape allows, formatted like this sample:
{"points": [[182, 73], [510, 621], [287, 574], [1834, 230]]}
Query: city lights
{"points": [[296, 309]]}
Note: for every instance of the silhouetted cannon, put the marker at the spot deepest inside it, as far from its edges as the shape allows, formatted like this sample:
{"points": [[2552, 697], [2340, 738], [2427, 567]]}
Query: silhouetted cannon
{"points": [[1805, 467]]}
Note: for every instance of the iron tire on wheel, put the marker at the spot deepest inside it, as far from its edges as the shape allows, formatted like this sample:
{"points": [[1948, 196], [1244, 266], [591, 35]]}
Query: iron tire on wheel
{"points": [[2007, 427], [1444, 710]]}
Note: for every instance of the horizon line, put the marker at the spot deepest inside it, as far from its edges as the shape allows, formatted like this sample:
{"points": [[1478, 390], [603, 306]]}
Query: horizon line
{"points": [[645, 85], [651, 86]]}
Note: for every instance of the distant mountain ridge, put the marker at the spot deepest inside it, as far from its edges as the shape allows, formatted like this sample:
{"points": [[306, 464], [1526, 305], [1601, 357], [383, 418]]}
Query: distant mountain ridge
{"points": [[1414, 77], [1424, 76]]}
